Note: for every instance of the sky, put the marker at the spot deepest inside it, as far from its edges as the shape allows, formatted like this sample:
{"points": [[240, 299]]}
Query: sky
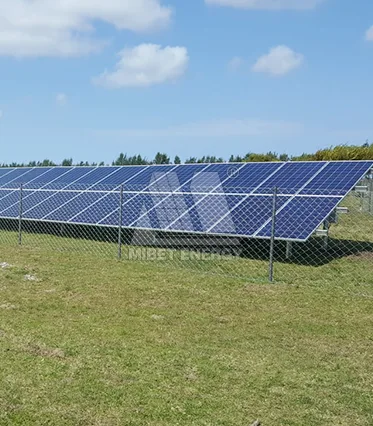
{"points": [[89, 79]]}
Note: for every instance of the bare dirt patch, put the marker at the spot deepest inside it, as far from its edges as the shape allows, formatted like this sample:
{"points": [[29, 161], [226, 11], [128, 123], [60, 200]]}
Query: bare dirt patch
{"points": [[29, 277], [365, 255], [45, 352]]}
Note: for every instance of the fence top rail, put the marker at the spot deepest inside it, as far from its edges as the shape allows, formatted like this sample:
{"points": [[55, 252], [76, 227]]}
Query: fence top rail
{"points": [[196, 190]]}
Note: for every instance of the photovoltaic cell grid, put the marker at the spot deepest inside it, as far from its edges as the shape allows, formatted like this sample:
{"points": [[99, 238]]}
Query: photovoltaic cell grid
{"points": [[221, 199]]}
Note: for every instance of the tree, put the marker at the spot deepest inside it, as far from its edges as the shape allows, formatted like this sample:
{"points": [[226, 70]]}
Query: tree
{"points": [[67, 162], [125, 160], [177, 160], [83, 164], [261, 158], [191, 160], [139, 160], [366, 144], [236, 159], [121, 160], [161, 158], [46, 163]]}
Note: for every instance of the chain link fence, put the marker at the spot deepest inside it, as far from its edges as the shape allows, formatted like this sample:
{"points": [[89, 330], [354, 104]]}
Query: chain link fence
{"points": [[340, 250]]}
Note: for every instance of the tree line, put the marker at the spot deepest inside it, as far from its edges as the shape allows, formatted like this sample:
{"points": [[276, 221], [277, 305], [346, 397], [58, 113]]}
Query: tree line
{"points": [[339, 152]]}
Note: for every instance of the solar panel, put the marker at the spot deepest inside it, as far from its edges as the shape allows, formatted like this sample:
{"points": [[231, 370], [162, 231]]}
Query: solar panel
{"points": [[216, 199]]}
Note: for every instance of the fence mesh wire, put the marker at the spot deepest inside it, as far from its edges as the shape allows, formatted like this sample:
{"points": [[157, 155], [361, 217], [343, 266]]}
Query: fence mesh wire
{"points": [[342, 247]]}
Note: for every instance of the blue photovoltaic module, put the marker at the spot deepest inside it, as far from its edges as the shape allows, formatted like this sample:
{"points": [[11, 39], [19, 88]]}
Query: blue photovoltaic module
{"points": [[219, 199]]}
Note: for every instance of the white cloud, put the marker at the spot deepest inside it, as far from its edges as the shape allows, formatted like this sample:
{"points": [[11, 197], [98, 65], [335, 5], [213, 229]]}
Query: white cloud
{"points": [[61, 99], [267, 4], [235, 63], [146, 65], [213, 129], [279, 61], [65, 28], [369, 34]]}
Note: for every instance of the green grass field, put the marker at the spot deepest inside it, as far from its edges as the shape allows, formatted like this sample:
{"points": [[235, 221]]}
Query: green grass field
{"points": [[88, 340]]}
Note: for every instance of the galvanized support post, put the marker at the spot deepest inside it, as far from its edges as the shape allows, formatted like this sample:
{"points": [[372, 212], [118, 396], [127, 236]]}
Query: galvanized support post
{"points": [[273, 232], [326, 226], [370, 209], [20, 214], [120, 223], [289, 249]]}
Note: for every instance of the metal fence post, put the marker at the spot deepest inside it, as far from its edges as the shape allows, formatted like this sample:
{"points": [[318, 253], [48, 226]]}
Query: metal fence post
{"points": [[20, 214], [120, 223], [273, 232]]}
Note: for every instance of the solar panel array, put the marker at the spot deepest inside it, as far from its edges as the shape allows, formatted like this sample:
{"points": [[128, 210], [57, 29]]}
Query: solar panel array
{"points": [[221, 199]]}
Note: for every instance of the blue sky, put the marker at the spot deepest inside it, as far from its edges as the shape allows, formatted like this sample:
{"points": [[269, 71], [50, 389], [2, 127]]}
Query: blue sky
{"points": [[90, 79]]}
